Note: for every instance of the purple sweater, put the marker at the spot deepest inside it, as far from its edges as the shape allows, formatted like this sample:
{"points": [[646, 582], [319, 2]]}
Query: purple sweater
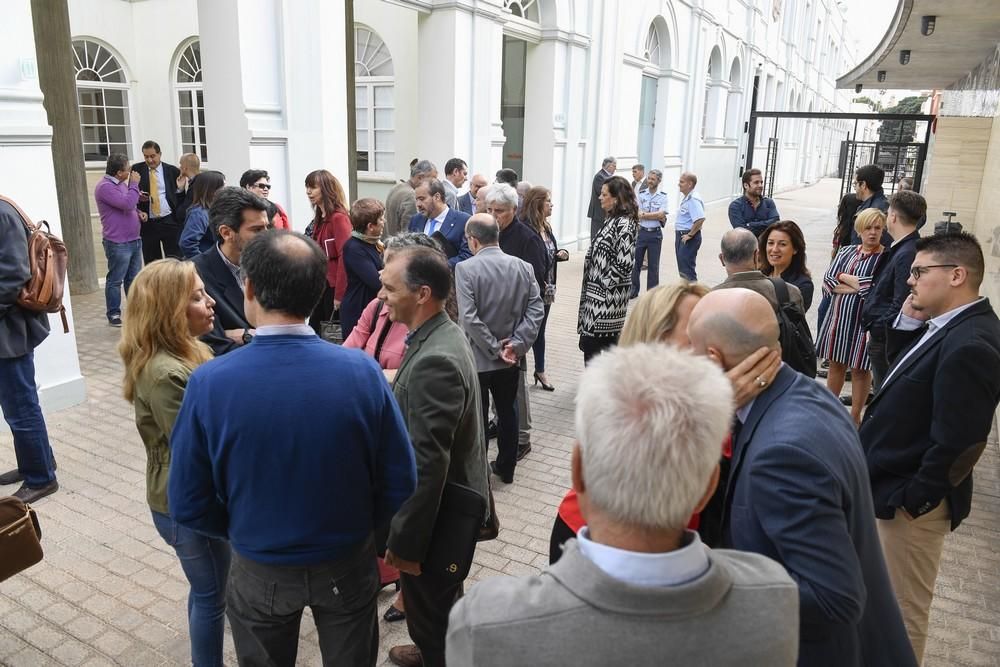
{"points": [[116, 204]]}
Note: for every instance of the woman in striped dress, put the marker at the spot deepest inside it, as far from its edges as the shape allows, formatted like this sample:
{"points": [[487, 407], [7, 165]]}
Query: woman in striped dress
{"points": [[842, 339]]}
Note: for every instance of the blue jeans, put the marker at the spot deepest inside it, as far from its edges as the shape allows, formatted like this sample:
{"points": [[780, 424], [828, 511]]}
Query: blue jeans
{"points": [[687, 255], [205, 561], [538, 347], [124, 263], [651, 240], [19, 402]]}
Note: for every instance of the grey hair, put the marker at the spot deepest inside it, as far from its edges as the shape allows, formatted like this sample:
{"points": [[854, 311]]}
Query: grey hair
{"points": [[422, 168], [410, 240], [483, 227], [738, 246], [501, 193], [657, 172], [688, 176], [651, 419], [639, 166], [609, 160]]}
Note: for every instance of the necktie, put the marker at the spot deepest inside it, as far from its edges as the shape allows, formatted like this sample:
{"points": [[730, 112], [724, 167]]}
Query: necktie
{"points": [[154, 194], [434, 226]]}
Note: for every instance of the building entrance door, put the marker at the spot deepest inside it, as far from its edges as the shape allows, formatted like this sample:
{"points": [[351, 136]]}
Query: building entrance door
{"points": [[515, 53], [647, 121]]}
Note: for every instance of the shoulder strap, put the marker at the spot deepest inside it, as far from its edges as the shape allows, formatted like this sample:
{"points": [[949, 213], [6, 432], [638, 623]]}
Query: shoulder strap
{"points": [[383, 334], [781, 290], [25, 220]]}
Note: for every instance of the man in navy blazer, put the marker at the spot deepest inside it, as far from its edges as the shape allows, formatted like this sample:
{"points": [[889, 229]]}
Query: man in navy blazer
{"points": [[928, 425], [798, 492], [445, 225]]}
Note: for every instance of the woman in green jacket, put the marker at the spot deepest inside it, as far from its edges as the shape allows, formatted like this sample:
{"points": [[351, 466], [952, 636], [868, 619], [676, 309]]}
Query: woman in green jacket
{"points": [[167, 310]]}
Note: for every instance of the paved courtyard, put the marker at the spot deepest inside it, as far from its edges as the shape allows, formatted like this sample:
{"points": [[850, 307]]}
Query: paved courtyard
{"points": [[110, 592]]}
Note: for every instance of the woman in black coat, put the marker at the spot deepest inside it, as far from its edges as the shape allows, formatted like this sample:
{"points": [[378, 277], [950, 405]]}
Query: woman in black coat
{"points": [[362, 261]]}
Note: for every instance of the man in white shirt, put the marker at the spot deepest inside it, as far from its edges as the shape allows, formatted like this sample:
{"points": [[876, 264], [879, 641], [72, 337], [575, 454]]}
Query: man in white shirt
{"points": [[928, 423], [652, 218], [161, 188], [635, 587]]}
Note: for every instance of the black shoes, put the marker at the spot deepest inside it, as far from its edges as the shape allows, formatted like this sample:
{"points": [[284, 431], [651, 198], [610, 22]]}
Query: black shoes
{"points": [[393, 615], [11, 477], [28, 494], [115, 321], [546, 387], [506, 479], [523, 450]]}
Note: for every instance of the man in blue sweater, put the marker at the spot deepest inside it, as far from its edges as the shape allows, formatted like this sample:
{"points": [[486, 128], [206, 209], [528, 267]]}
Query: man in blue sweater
{"points": [[296, 451]]}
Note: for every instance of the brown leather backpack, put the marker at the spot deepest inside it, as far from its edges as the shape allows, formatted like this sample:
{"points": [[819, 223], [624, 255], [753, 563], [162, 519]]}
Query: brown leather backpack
{"points": [[47, 259]]}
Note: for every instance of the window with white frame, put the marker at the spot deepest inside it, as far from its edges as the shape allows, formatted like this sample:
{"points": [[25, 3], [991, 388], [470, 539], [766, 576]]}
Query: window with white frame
{"points": [[102, 94], [526, 9], [190, 96], [374, 103]]}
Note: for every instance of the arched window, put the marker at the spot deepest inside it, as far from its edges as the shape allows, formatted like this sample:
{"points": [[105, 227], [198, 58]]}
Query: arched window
{"points": [[734, 101], [102, 95], [189, 91], [653, 46], [373, 102], [526, 9], [714, 84]]}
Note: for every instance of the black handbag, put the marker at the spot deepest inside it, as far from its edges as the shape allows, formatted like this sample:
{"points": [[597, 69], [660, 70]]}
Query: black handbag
{"points": [[456, 530]]}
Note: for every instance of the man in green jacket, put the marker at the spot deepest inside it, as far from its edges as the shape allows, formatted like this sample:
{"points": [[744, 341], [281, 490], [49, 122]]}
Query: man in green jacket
{"points": [[437, 390]]}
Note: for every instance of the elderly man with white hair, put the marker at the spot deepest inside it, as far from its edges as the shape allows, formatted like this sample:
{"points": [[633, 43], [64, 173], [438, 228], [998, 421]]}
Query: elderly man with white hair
{"points": [[636, 587]]}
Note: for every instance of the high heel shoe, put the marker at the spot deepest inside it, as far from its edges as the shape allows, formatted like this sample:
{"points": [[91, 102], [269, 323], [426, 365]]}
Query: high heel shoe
{"points": [[546, 387]]}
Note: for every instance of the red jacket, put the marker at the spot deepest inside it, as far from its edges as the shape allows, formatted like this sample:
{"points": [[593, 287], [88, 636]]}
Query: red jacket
{"points": [[331, 235]]}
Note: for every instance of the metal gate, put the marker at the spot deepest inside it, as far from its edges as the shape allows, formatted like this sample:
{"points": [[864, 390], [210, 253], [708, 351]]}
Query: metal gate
{"points": [[897, 158]]}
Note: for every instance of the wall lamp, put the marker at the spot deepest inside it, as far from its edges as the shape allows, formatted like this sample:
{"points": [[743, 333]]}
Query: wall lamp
{"points": [[927, 24], [858, 88], [904, 57], [881, 76]]}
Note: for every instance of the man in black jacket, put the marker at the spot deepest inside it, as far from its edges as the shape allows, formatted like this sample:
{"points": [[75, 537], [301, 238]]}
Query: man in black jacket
{"points": [[889, 284], [21, 331], [594, 211], [162, 188], [237, 215], [928, 425]]}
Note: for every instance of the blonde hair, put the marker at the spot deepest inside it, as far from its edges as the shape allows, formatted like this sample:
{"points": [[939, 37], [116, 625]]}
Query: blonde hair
{"points": [[156, 320], [868, 219], [655, 313]]}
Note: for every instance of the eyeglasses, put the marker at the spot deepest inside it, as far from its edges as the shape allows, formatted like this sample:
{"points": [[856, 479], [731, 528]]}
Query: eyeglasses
{"points": [[262, 186], [918, 271]]}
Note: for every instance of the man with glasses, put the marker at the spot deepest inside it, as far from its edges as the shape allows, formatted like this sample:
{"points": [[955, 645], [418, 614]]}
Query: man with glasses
{"points": [[889, 283], [258, 182], [929, 423]]}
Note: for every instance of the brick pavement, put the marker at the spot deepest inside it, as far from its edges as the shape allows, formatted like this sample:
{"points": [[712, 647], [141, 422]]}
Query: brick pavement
{"points": [[110, 592]]}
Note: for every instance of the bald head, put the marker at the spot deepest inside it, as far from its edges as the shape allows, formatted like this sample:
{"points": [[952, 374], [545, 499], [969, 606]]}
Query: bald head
{"points": [[483, 228], [731, 324], [739, 251]]}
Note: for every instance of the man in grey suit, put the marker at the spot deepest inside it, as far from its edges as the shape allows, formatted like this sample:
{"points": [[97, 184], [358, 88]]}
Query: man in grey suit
{"points": [[798, 492], [635, 587], [401, 202], [437, 389], [595, 212], [739, 257], [501, 311]]}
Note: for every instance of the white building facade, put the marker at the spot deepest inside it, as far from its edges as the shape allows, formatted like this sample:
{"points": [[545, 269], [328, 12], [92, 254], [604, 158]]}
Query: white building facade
{"points": [[546, 87]]}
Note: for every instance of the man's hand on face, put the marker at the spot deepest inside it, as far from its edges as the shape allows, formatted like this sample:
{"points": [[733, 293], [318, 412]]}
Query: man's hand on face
{"points": [[134, 177]]}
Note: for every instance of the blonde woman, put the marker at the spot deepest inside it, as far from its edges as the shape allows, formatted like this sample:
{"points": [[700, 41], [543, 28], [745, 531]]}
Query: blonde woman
{"points": [[661, 315], [168, 309]]}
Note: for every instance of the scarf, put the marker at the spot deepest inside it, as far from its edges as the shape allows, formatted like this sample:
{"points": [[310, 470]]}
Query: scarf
{"points": [[374, 240]]}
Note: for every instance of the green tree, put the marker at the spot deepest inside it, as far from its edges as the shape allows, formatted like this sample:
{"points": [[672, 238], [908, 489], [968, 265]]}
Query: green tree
{"points": [[904, 131]]}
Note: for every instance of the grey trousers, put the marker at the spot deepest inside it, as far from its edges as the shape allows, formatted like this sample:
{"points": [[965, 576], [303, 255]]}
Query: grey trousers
{"points": [[265, 604]]}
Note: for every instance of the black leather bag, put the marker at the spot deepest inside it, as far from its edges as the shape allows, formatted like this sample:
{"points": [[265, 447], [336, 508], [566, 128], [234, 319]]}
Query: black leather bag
{"points": [[456, 531]]}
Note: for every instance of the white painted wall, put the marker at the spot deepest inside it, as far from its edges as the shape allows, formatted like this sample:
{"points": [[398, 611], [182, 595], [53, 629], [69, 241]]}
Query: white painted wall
{"points": [[26, 140]]}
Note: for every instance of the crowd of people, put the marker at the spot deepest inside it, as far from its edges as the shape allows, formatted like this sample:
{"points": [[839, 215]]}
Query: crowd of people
{"points": [[712, 484]]}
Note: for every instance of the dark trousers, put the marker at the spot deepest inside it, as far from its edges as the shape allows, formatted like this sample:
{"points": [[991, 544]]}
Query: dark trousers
{"points": [[428, 603], [502, 385], [880, 362], [538, 347], [560, 533], [687, 255], [650, 240], [19, 402], [124, 264], [591, 346], [157, 231], [265, 604]]}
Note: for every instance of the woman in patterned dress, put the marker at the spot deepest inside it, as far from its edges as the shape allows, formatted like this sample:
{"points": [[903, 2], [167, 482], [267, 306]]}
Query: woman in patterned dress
{"points": [[842, 339], [607, 270]]}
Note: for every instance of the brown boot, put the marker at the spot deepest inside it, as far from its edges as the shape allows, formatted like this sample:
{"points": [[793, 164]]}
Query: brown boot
{"points": [[406, 655]]}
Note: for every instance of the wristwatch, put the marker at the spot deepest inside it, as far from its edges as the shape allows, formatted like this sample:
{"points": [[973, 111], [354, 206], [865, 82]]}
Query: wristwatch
{"points": [[247, 336]]}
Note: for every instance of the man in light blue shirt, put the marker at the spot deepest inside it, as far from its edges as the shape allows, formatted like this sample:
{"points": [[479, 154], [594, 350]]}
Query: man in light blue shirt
{"points": [[652, 218], [687, 229]]}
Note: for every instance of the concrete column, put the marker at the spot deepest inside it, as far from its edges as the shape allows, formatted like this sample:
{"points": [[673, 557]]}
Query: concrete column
{"points": [[27, 176], [57, 81], [275, 91]]}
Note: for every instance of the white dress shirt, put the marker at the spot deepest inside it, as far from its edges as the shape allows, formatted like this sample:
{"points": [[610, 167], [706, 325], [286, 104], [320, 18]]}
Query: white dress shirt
{"points": [[434, 224], [672, 568], [907, 323]]}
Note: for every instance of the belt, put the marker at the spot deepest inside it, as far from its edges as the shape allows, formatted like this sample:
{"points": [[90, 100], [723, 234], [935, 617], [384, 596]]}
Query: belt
{"points": [[650, 229]]}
